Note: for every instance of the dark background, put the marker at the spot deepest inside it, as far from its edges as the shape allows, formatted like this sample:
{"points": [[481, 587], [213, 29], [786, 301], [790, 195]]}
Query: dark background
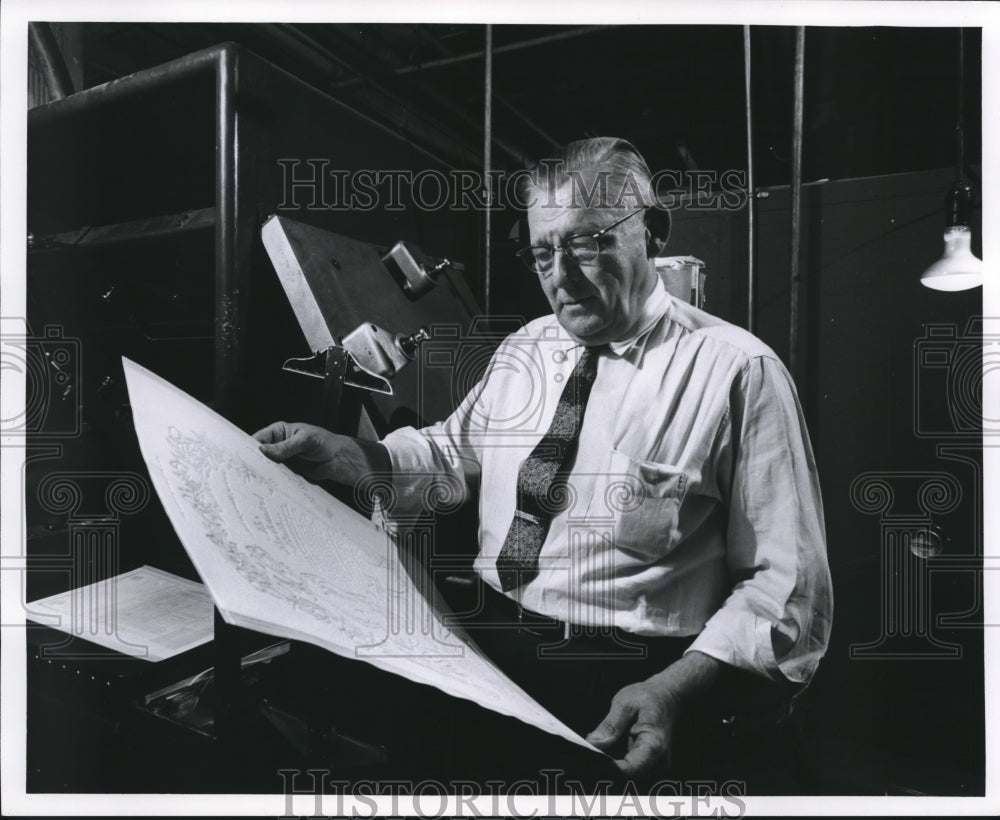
{"points": [[877, 100]]}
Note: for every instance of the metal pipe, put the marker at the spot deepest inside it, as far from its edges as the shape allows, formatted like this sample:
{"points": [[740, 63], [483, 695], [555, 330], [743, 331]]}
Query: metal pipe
{"points": [[227, 352], [227, 317], [53, 66], [155, 226], [321, 64], [751, 283], [475, 55], [796, 194], [509, 107], [487, 161], [322, 59], [293, 35], [528, 122], [132, 84]]}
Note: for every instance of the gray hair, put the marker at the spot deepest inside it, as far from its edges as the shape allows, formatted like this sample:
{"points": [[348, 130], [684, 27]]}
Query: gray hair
{"points": [[623, 177]]}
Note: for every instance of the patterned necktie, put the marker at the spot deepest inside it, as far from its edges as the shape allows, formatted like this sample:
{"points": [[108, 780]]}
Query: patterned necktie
{"points": [[538, 479]]}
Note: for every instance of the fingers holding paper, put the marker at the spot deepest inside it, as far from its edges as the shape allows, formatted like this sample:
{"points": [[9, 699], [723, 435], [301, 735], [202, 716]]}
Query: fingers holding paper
{"points": [[305, 448], [644, 713], [320, 455], [643, 717]]}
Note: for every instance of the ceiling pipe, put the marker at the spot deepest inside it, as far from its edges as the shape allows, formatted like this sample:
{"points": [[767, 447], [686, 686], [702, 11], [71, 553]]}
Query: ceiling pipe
{"points": [[386, 54], [500, 101], [53, 67], [291, 34], [504, 49], [436, 143]]}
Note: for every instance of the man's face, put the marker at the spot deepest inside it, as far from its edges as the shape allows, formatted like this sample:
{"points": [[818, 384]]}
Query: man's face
{"points": [[601, 301]]}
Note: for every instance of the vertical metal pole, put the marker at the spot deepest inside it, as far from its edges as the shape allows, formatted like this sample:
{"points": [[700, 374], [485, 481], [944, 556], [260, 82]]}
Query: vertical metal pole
{"points": [[487, 162], [796, 192], [960, 125], [227, 352], [751, 283], [228, 318]]}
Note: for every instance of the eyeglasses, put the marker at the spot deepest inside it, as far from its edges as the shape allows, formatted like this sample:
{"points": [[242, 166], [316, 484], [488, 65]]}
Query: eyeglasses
{"points": [[581, 248]]}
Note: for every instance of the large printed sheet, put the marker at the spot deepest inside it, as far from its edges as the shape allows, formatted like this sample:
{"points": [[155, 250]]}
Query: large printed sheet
{"points": [[282, 556]]}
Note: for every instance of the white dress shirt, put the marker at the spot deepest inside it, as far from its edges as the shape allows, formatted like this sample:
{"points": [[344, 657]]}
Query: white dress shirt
{"points": [[693, 504]]}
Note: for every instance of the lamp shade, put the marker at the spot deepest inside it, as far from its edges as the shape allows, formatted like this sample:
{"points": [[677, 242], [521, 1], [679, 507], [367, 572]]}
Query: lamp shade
{"points": [[958, 268]]}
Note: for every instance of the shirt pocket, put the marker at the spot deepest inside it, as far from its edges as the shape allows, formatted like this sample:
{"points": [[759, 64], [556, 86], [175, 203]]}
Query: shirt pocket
{"points": [[639, 504]]}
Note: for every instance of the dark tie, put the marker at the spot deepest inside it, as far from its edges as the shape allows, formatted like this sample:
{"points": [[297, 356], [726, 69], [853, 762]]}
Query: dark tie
{"points": [[540, 476]]}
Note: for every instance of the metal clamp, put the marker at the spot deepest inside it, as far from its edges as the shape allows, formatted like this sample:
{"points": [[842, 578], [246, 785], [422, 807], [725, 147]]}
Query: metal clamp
{"points": [[357, 375]]}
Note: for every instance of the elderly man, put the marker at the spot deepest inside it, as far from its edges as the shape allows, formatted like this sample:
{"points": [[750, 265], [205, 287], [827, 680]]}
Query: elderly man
{"points": [[650, 512]]}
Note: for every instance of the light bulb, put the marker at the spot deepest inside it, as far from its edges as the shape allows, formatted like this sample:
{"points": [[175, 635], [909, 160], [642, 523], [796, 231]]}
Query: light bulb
{"points": [[959, 268]]}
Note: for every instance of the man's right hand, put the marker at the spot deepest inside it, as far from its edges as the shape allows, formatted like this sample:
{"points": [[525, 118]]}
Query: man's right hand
{"points": [[320, 455]]}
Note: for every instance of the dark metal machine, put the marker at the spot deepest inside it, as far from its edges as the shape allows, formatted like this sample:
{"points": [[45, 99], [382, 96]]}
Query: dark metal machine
{"points": [[345, 293]]}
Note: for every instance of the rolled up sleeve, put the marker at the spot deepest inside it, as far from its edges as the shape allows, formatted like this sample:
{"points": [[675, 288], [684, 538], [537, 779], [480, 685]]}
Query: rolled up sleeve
{"points": [[776, 621]]}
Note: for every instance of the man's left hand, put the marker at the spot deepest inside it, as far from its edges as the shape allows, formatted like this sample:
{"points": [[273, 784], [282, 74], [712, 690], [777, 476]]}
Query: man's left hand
{"points": [[645, 713]]}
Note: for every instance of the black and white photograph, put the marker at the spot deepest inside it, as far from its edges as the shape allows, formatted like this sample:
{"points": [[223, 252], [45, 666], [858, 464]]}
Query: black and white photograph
{"points": [[572, 410]]}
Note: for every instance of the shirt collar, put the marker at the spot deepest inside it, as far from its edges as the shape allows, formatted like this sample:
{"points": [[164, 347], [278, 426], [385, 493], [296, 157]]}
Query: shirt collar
{"points": [[653, 309]]}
